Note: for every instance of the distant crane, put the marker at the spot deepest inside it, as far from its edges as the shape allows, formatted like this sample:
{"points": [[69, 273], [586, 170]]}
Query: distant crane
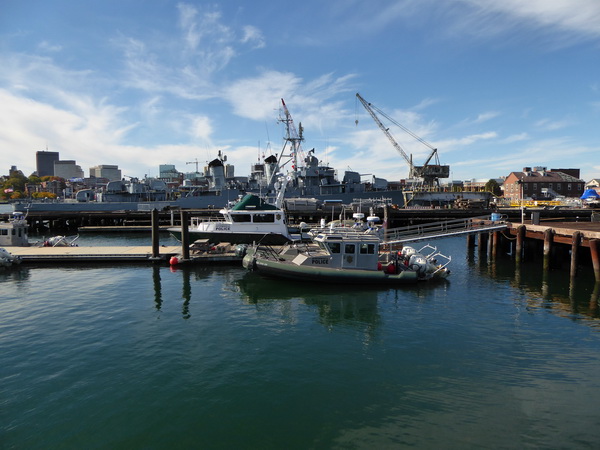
{"points": [[194, 162], [429, 173]]}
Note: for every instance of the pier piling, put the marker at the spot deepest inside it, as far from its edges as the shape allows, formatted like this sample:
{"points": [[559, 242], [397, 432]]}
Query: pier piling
{"points": [[520, 240], [548, 241], [155, 235], [594, 249], [185, 236], [575, 253]]}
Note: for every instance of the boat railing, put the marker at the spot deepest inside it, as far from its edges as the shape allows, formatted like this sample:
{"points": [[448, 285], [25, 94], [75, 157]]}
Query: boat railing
{"points": [[442, 266], [195, 221]]}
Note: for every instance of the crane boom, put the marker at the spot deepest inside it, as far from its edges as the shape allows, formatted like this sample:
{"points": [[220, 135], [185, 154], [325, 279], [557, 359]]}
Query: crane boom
{"points": [[370, 109], [429, 172]]}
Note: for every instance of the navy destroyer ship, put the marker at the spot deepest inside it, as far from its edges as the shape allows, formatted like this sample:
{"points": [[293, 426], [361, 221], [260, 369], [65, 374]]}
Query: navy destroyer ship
{"points": [[307, 178]]}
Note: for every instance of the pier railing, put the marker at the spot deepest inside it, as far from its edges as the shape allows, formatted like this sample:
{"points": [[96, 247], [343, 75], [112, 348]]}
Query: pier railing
{"points": [[413, 233]]}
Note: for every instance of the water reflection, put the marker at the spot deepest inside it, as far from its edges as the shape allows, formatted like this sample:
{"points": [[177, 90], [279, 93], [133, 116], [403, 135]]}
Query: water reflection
{"points": [[186, 272], [552, 289], [18, 274], [335, 304], [157, 287]]}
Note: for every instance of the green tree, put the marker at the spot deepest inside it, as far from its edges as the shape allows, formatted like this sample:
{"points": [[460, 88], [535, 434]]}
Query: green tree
{"points": [[493, 187], [34, 179]]}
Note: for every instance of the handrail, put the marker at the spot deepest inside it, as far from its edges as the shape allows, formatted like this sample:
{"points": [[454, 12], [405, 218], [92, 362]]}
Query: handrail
{"points": [[446, 228]]}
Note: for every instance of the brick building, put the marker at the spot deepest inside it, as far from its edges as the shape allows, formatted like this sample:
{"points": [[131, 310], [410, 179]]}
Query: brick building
{"points": [[543, 184]]}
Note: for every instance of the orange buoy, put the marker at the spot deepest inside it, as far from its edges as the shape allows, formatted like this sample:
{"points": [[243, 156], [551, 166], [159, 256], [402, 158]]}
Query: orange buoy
{"points": [[174, 260]]}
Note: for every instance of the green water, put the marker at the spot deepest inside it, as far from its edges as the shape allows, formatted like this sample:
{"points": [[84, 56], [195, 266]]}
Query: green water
{"points": [[143, 357]]}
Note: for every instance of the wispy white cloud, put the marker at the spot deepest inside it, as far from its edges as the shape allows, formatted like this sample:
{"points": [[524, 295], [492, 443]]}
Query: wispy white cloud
{"points": [[516, 138], [253, 36], [553, 125], [48, 47], [559, 23]]}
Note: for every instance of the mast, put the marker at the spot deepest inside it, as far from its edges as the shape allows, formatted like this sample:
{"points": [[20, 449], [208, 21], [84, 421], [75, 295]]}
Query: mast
{"points": [[294, 137]]}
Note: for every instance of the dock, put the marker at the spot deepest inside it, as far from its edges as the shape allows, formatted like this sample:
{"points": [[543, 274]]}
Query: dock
{"points": [[140, 254]]}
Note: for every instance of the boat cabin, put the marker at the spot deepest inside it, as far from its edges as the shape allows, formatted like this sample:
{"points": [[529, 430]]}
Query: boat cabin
{"points": [[14, 232], [253, 209], [349, 249]]}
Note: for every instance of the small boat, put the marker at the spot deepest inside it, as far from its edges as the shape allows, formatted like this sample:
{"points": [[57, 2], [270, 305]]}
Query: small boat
{"points": [[345, 255], [14, 232], [7, 259], [60, 241], [249, 220]]}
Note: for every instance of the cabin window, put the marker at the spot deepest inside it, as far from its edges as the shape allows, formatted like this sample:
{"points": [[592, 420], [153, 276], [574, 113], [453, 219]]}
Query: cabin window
{"points": [[350, 249], [4, 232], [264, 218], [334, 247], [241, 218], [367, 249]]}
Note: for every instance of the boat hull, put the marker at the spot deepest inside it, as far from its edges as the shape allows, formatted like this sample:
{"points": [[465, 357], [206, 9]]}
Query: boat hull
{"points": [[345, 276], [232, 238]]}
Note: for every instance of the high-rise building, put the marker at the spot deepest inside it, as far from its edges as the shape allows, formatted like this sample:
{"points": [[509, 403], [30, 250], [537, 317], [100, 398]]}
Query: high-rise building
{"points": [[45, 163], [110, 172], [67, 169]]}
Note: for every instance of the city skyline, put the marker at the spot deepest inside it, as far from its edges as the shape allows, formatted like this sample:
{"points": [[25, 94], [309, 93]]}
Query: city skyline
{"points": [[494, 87]]}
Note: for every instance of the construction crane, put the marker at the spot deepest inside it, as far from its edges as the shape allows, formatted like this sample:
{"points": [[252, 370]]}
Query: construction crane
{"points": [[429, 173], [194, 162]]}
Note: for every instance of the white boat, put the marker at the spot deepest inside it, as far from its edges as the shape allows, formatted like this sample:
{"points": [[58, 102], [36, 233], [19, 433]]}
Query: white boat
{"points": [[249, 220], [345, 255], [7, 259], [14, 232]]}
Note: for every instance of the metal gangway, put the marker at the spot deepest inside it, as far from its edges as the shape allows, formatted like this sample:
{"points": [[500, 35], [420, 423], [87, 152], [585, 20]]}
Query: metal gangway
{"points": [[447, 228]]}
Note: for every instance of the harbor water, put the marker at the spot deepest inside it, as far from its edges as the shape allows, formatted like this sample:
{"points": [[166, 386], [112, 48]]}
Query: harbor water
{"points": [[136, 356]]}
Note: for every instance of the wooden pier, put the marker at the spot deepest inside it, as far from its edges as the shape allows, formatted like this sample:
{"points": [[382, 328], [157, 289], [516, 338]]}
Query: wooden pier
{"points": [[554, 241]]}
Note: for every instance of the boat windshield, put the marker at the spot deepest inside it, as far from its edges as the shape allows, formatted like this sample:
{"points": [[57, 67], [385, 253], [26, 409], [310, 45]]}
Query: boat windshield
{"points": [[333, 247], [264, 218], [241, 218]]}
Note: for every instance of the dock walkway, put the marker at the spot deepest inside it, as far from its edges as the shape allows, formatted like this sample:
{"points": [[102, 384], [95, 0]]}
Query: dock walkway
{"points": [[112, 254]]}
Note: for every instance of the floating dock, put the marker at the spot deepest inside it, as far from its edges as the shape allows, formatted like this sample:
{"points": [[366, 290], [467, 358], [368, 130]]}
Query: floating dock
{"points": [[141, 254]]}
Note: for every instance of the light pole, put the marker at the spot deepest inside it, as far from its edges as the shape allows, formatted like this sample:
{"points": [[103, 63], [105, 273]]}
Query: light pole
{"points": [[520, 183]]}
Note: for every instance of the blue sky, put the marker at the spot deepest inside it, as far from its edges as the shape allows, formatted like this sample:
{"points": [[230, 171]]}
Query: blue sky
{"points": [[495, 86]]}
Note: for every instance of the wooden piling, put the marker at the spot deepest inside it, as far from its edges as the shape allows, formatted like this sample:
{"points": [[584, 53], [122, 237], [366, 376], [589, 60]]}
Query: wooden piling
{"points": [[470, 241], [481, 242], [185, 236], [575, 253], [594, 250], [548, 241], [495, 242], [155, 234], [520, 241]]}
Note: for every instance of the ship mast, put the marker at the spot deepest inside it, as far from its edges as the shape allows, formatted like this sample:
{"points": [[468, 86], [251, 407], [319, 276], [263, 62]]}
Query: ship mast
{"points": [[294, 137]]}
